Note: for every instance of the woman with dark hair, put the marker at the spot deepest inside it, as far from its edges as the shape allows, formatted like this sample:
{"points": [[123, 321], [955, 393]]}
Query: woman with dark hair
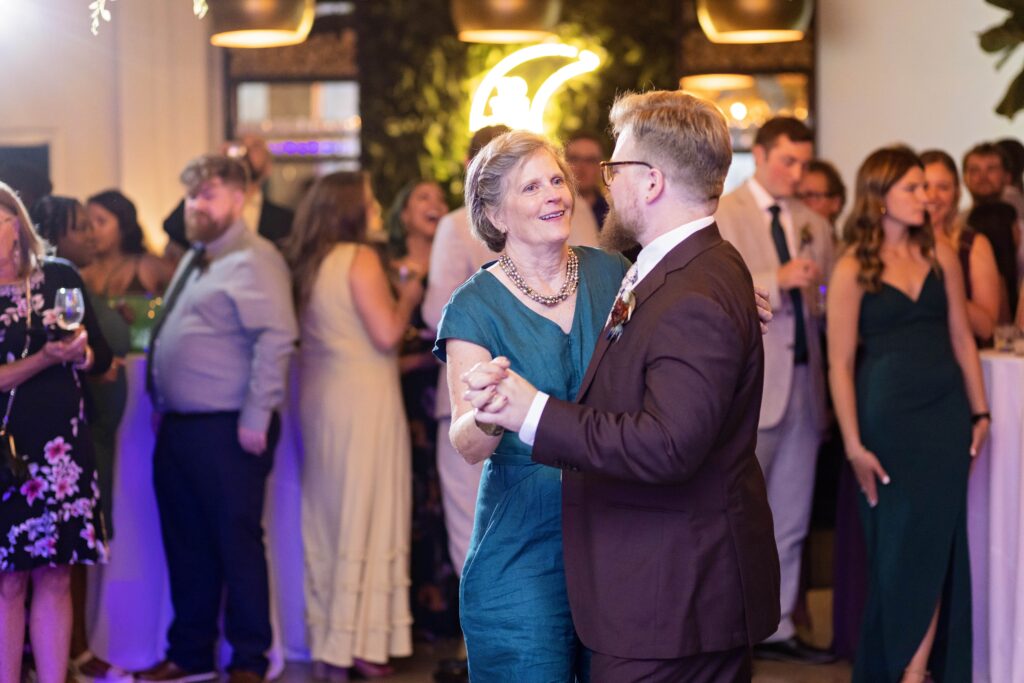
{"points": [[356, 476], [994, 222], [122, 265], [49, 507], [64, 223], [411, 223], [977, 260], [907, 389]]}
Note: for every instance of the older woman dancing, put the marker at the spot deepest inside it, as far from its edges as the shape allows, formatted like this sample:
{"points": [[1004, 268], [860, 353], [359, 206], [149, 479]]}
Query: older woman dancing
{"points": [[542, 305]]}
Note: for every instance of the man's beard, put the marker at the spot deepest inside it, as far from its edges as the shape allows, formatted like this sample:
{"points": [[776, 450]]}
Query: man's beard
{"points": [[618, 232], [201, 227]]}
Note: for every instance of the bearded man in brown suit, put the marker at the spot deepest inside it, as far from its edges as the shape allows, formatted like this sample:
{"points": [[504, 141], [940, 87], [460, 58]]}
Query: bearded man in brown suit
{"points": [[670, 558]]}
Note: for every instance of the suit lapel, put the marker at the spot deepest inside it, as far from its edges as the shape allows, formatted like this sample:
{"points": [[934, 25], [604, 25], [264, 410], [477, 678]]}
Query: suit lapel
{"points": [[679, 257]]}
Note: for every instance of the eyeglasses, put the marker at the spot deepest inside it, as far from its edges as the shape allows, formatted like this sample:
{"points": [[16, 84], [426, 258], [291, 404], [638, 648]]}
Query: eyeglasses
{"points": [[608, 171], [815, 196]]}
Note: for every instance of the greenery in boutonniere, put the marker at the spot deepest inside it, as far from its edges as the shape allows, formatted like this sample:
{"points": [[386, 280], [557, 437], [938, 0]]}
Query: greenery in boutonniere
{"points": [[1005, 38], [806, 238]]}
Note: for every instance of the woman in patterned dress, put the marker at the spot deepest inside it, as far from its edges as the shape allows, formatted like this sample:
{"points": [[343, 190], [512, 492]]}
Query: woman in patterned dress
{"points": [[48, 517]]}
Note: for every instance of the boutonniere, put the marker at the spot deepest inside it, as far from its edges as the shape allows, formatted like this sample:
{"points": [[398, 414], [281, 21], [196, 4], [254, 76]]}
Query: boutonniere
{"points": [[622, 311], [806, 238]]}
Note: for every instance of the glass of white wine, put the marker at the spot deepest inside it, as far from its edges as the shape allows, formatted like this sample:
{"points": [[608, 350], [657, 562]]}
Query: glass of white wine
{"points": [[69, 305]]}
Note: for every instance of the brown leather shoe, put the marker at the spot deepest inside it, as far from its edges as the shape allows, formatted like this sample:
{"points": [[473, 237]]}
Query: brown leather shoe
{"points": [[169, 672], [244, 676]]}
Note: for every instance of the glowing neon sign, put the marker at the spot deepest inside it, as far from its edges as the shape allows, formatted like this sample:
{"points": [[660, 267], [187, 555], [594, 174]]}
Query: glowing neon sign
{"points": [[507, 95]]}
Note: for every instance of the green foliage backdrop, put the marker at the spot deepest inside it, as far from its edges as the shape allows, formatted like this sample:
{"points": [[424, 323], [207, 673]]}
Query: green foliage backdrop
{"points": [[416, 79]]}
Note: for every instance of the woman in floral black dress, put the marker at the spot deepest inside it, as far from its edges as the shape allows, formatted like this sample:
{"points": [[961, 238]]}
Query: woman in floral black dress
{"points": [[48, 519]]}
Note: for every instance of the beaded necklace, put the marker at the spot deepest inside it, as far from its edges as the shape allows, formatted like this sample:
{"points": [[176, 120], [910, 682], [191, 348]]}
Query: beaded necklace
{"points": [[572, 279]]}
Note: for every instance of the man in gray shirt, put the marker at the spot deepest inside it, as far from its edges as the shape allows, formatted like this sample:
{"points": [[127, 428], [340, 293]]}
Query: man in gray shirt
{"points": [[217, 367]]}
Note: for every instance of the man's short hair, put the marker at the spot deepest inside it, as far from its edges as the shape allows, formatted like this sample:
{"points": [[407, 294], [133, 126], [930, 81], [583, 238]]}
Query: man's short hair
{"points": [[208, 167], [684, 136], [484, 136], [833, 181], [773, 129], [987, 149]]}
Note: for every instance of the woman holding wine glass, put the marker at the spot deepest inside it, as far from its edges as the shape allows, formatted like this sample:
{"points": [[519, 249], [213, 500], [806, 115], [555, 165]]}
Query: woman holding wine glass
{"points": [[49, 516]]}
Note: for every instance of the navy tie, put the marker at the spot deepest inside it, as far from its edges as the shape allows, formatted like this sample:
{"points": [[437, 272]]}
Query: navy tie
{"points": [[800, 336]]}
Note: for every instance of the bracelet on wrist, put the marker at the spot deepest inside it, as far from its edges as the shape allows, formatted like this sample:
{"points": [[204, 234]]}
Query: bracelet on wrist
{"points": [[978, 417], [489, 429]]}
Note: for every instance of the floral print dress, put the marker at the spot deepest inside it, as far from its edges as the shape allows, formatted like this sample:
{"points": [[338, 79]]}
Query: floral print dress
{"points": [[52, 518]]}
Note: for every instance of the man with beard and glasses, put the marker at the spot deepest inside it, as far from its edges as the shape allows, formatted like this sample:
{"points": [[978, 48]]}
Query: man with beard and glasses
{"points": [[216, 373], [670, 563]]}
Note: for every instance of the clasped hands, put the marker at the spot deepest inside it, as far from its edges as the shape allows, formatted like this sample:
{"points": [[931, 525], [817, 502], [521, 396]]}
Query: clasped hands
{"points": [[499, 395]]}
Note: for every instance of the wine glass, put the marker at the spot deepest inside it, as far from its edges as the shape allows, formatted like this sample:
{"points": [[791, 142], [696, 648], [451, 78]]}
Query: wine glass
{"points": [[69, 305]]}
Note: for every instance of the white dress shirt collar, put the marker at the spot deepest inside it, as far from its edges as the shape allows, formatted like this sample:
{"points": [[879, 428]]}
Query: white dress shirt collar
{"points": [[652, 254]]}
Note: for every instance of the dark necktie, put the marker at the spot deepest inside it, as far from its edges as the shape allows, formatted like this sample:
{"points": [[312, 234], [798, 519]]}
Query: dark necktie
{"points": [[800, 336], [194, 260]]}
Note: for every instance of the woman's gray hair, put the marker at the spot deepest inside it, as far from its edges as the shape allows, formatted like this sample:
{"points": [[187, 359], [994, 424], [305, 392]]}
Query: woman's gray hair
{"points": [[486, 178]]}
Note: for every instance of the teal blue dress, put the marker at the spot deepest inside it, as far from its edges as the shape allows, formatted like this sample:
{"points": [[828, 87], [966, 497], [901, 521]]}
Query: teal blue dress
{"points": [[914, 416], [514, 607]]}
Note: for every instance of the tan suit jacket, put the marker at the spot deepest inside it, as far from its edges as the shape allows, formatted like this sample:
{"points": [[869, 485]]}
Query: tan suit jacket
{"points": [[743, 223]]}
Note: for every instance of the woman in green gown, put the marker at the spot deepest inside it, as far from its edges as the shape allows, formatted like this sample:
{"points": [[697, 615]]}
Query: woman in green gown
{"points": [[907, 387]]}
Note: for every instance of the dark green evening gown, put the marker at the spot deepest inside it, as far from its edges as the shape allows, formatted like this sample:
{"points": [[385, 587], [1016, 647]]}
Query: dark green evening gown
{"points": [[914, 415]]}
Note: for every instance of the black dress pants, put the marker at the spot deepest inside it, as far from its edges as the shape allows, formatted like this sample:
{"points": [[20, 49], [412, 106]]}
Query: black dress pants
{"points": [[210, 496]]}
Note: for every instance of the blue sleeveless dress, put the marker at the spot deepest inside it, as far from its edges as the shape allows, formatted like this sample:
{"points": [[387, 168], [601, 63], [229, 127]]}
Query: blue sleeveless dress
{"points": [[514, 607]]}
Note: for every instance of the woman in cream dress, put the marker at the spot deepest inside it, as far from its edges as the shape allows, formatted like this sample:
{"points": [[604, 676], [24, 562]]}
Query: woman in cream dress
{"points": [[356, 472]]}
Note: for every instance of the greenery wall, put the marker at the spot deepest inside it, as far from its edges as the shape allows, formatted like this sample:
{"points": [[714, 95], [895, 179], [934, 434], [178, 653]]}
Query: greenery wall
{"points": [[416, 79]]}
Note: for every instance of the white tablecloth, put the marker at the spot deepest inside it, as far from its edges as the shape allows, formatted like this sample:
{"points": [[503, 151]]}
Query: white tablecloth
{"points": [[130, 607], [995, 519]]}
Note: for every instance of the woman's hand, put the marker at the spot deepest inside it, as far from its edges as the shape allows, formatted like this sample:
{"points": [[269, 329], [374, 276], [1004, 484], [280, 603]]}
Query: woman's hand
{"points": [[71, 350], [866, 467], [979, 432], [764, 307]]}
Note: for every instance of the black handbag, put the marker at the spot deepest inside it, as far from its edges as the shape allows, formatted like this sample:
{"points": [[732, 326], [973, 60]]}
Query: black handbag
{"points": [[14, 467]]}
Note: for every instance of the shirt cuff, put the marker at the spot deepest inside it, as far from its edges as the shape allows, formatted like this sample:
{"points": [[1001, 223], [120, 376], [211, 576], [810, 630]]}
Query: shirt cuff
{"points": [[254, 418], [528, 432]]}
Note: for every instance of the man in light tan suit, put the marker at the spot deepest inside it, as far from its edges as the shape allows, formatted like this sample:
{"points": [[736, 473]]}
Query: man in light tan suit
{"points": [[789, 251]]}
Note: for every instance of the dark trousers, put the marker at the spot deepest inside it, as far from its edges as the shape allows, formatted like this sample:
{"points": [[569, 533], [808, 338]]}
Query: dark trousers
{"points": [[210, 496], [731, 666]]}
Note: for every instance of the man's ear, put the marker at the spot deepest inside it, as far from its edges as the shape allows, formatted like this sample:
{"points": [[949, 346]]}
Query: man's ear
{"points": [[654, 184], [760, 154]]}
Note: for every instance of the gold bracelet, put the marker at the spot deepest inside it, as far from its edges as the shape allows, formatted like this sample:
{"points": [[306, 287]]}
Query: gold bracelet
{"points": [[489, 429]]}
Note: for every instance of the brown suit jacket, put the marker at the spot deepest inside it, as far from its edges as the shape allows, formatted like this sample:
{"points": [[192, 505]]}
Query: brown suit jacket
{"points": [[669, 549]]}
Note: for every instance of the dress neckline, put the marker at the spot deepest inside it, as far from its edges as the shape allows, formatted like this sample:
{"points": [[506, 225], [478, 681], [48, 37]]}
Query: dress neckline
{"points": [[575, 313], [920, 292]]}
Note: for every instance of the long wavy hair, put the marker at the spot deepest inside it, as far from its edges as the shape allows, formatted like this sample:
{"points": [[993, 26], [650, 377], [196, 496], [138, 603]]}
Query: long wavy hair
{"points": [[863, 230], [333, 211]]}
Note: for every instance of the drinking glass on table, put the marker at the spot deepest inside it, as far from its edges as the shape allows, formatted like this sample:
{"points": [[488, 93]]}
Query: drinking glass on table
{"points": [[1003, 338]]}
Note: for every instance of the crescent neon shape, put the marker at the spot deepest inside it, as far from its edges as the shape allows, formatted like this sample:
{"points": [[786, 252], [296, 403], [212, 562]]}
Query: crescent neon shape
{"points": [[533, 119]]}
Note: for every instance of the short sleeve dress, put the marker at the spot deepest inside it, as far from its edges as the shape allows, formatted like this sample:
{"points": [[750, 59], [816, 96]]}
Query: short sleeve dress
{"points": [[514, 607], [52, 518]]}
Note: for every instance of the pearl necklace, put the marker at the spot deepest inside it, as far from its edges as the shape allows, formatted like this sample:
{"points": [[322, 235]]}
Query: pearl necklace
{"points": [[572, 279]]}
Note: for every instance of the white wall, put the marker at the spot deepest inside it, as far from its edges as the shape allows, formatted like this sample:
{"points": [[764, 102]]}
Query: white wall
{"points": [[125, 109], [907, 71]]}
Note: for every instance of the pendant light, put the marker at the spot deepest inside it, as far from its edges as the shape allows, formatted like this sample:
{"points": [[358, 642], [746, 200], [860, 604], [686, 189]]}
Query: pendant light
{"points": [[754, 21], [505, 21], [261, 23]]}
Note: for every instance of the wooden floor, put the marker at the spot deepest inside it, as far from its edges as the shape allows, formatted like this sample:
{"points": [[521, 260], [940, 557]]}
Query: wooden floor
{"points": [[419, 667]]}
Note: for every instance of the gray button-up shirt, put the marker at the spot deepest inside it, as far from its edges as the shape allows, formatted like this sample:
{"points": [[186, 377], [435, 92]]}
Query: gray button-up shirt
{"points": [[226, 342]]}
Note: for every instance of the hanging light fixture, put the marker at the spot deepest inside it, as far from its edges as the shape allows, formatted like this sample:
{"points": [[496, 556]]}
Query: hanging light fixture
{"points": [[261, 23], [754, 21], [505, 21]]}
